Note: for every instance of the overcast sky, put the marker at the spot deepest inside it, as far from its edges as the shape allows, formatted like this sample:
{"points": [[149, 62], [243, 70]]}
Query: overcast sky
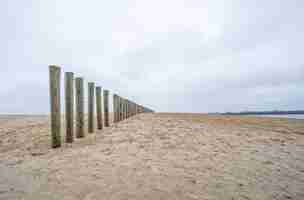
{"points": [[171, 55]]}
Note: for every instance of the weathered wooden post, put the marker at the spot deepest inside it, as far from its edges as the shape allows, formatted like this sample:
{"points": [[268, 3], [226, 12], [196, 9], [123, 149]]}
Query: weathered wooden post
{"points": [[106, 107], [127, 102], [69, 106], [91, 88], [54, 72], [115, 107], [134, 108], [131, 108], [139, 109], [79, 107], [122, 109], [119, 108], [125, 109], [125, 106], [99, 108]]}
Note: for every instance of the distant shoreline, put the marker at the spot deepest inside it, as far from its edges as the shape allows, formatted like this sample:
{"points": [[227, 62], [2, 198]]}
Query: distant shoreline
{"points": [[297, 112]]}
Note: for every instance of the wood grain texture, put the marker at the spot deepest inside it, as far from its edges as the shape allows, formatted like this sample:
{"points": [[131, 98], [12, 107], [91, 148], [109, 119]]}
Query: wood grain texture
{"points": [[69, 106], [54, 72], [115, 107], [106, 107], [99, 108], [79, 107], [91, 107]]}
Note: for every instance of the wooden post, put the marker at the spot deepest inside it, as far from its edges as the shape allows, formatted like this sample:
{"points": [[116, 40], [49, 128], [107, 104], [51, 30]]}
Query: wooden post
{"points": [[106, 107], [79, 107], [69, 106], [139, 109], [122, 108], [134, 108], [119, 108], [125, 112], [131, 109], [99, 108], [91, 88], [54, 73], [127, 103], [115, 108]]}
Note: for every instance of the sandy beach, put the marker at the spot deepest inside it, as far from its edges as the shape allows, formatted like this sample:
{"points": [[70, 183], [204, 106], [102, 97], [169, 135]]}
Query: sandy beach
{"points": [[155, 156]]}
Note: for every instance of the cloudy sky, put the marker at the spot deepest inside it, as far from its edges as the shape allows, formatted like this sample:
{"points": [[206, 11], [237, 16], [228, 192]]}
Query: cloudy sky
{"points": [[171, 55]]}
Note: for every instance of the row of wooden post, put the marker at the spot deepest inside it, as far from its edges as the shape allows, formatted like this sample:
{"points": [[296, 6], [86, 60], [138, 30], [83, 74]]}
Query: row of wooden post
{"points": [[122, 108]]}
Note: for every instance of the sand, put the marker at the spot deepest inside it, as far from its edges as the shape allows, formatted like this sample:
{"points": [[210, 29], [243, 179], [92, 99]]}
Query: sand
{"points": [[155, 156]]}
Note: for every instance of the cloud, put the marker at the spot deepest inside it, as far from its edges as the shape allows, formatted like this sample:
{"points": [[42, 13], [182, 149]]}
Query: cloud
{"points": [[186, 56]]}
